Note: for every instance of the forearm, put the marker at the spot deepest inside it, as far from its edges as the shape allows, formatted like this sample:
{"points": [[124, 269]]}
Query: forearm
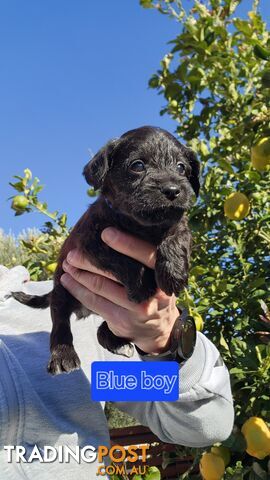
{"points": [[203, 414]]}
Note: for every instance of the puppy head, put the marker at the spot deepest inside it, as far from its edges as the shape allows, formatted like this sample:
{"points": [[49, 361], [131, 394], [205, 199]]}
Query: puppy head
{"points": [[146, 174]]}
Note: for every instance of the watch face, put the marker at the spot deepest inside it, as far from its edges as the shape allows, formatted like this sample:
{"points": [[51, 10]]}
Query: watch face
{"points": [[187, 337]]}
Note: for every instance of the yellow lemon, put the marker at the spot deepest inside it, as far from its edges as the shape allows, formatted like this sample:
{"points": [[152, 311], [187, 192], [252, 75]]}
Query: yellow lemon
{"points": [[257, 435], [260, 154], [222, 452], [236, 206], [173, 103], [212, 467], [51, 267], [19, 203]]}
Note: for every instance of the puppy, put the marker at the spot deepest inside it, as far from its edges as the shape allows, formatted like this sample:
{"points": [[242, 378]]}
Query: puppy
{"points": [[147, 180]]}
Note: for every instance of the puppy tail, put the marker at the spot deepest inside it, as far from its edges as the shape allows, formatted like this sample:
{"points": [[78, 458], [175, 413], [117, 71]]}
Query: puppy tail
{"points": [[35, 301]]}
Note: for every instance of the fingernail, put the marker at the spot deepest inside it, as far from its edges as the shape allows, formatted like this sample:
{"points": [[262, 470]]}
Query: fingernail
{"points": [[64, 279], [70, 255], [65, 265], [109, 235]]}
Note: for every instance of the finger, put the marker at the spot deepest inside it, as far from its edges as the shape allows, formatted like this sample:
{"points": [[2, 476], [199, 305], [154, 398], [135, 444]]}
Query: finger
{"points": [[78, 260], [163, 299], [100, 305], [131, 246], [115, 293], [102, 286]]}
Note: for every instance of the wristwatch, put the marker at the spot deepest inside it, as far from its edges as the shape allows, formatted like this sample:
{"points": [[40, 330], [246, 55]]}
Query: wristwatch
{"points": [[181, 344]]}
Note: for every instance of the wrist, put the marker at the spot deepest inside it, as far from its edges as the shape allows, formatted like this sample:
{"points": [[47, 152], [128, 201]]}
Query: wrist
{"points": [[181, 343]]}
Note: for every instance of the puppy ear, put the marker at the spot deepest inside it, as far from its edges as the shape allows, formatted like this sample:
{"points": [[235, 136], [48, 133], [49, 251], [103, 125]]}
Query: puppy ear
{"points": [[96, 170], [195, 170]]}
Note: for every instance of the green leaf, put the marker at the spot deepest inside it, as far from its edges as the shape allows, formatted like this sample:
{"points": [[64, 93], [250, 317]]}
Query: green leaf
{"points": [[237, 371], [266, 79], [197, 271], [257, 283], [18, 186], [63, 220], [154, 81], [38, 189], [18, 177], [204, 149], [28, 174], [210, 37], [225, 165], [146, 3], [258, 293], [243, 26], [223, 342], [261, 52], [233, 92], [258, 473], [236, 442]]}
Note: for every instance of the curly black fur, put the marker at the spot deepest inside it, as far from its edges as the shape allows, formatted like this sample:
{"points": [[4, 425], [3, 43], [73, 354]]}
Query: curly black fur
{"points": [[150, 204]]}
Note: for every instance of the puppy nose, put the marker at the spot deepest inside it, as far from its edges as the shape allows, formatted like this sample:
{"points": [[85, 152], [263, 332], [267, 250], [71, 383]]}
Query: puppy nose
{"points": [[170, 191]]}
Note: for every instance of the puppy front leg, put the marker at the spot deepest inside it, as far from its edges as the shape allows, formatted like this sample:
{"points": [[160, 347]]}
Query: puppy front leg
{"points": [[110, 341], [140, 285], [172, 262], [138, 279], [63, 355]]}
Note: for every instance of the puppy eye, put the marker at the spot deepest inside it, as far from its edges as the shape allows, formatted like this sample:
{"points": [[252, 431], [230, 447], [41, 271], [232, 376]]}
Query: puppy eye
{"points": [[181, 167], [137, 166]]}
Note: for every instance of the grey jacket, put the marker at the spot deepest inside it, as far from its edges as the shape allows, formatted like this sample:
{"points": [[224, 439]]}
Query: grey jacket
{"points": [[37, 409]]}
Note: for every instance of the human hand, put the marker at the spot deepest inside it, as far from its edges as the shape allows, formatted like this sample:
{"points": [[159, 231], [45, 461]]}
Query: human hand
{"points": [[148, 325]]}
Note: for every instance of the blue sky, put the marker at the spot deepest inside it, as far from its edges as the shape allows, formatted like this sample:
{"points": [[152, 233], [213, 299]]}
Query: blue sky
{"points": [[73, 75]]}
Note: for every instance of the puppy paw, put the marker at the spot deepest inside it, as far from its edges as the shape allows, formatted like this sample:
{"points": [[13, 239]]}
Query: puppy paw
{"points": [[126, 350], [141, 294], [63, 359], [170, 282], [117, 345], [82, 312]]}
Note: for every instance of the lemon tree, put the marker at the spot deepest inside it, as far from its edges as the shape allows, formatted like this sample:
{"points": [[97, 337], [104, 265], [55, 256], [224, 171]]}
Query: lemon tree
{"points": [[38, 250], [215, 82]]}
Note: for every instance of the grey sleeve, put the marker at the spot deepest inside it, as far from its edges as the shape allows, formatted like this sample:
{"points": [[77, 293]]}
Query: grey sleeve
{"points": [[204, 412]]}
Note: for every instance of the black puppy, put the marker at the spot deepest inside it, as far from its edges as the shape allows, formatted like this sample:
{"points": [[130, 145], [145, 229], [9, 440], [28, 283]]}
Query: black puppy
{"points": [[146, 180]]}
